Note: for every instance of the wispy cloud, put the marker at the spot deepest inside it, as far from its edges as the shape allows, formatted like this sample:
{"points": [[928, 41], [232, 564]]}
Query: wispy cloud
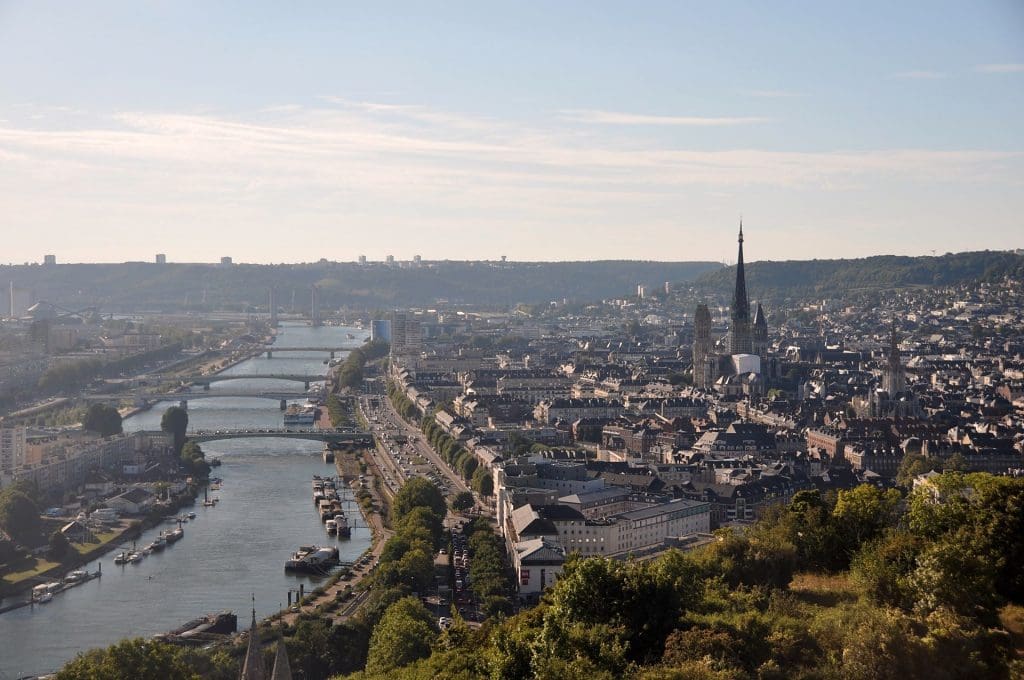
{"points": [[358, 165], [620, 118], [919, 75], [1000, 68], [773, 94]]}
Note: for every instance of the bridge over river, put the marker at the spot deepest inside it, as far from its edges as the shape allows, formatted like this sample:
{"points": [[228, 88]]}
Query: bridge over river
{"points": [[356, 437]]}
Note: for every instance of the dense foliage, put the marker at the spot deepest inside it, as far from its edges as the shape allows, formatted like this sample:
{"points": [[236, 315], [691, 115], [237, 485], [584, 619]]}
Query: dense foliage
{"points": [[19, 515], [175, 422], [871, 273], [351, 372], [71, 376], [134, 284], [846, 586], [102, 419], [193, 459]]}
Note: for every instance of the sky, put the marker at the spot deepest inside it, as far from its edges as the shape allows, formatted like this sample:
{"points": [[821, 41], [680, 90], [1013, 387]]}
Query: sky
{"points": [[290, 132]]}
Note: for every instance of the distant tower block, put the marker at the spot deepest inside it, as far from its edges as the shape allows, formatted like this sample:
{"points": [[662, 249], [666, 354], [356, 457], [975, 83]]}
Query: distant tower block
{"points": [[668, 287], [272, 304], [390, 259], [417, 259], [362, 259], [315, 312], [225, 260], [641, 291], [703, 362], [161, 258], [49, 259]]}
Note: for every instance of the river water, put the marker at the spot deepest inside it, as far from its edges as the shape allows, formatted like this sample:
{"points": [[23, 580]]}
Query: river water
{"points": [[230, 552]]}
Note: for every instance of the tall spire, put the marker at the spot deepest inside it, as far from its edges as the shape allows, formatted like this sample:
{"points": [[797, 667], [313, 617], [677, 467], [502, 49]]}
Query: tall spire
{"points": [[282, 669], [740, 305], [252, 667]]}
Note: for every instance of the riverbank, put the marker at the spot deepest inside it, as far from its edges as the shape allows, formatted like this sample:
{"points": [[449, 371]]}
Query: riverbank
{"points": [[346, 591], [27, 579]]}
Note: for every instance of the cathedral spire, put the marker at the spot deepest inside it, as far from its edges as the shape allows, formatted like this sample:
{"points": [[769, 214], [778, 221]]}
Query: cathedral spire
{"points": [[740, 304], [252, 667]]}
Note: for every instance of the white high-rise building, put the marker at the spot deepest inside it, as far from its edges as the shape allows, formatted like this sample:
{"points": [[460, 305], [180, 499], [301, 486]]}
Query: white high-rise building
{"points": [[12, 450]]}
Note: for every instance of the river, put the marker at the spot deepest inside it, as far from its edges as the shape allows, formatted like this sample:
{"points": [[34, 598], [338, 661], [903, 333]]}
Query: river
{"points": [[230, 552]]}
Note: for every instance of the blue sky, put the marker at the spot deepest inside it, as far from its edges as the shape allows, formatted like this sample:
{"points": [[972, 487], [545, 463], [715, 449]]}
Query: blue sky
{"points": [[538, 130]]}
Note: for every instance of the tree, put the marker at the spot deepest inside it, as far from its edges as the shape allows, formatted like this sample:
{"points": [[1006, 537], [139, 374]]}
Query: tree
{"points": [[138, 659], [482, 482], [418, 492], [59, 546], [912, 465], [193, 458], [404, 634], [102, 419], [175, 422], [463, 501], [862, 513], [19, 517], [421, 519]]}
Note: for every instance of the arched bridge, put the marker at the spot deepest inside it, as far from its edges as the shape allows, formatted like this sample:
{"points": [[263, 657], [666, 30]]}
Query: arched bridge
{"points": [[220, 377], [151, 397], [356, 437]]}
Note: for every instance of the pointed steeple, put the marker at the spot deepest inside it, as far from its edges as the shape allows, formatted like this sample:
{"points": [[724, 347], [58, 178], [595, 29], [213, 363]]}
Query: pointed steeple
{"points": [[282, 669], [252, 667], [759, 318], [740, 304]]}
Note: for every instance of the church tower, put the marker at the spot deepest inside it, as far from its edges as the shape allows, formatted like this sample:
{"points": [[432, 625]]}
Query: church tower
{"points": [[894, 379], [702, 347], [759, 335], [739, 328]]}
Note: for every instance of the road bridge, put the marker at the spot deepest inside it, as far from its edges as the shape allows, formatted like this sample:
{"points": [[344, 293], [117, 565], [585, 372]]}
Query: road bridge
{"points": [[355, 437], [220, 377], [189, 396], [332, 350]]}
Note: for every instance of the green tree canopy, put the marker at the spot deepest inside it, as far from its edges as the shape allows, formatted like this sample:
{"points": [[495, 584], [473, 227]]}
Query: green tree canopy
{"points": [[102, 419], [418, 492], [463, 501], [175, 422], [137, 658], [19, 517], [403, 635]]}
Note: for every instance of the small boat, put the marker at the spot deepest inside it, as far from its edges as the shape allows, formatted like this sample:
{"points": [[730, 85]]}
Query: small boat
{"points": [[76, 576], [191, 515], [44, 592], [175, 535], [341, 522], [332, 527], [121, 558], [312, 559], [135, 557], [158, 544]]}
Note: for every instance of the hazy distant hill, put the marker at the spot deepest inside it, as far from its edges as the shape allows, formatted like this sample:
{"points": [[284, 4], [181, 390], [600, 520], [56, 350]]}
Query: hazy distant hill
{"points": [[138, 285], [766, 279]]}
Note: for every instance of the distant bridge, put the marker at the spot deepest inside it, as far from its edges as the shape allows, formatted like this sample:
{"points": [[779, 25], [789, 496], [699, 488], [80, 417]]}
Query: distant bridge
{"points": [[336, 436], [189, 396], [320, 348], [333, 350], [220, 377]]}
